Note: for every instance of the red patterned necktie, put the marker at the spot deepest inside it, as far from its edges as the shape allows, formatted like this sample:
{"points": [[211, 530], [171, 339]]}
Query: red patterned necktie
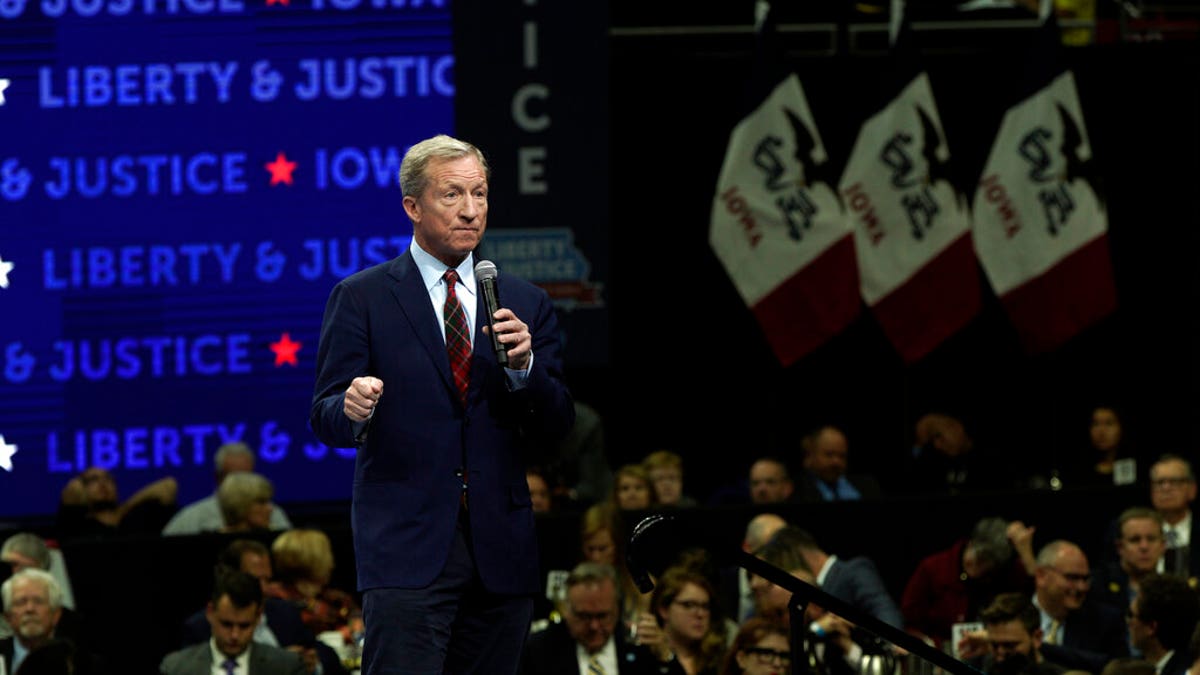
{"points": [[458, 337]]}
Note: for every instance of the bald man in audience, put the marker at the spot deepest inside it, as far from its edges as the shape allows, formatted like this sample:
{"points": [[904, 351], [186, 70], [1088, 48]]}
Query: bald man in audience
{"points": [[1076, 633]]}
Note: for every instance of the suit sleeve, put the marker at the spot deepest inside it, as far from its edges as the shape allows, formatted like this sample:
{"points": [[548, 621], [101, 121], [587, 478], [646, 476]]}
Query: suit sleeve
{"points": [[873, 595], [343, 355]]}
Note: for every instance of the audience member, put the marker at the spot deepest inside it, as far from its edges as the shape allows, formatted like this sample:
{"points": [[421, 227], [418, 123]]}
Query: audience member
{"points": [[233, 612], [602, 538], [632, 489], [665, 469], [771, 601], [588, 641], [854, 580], [734, 592], [944, 460], [682, 602], [1172, 491], [1162, 618], [540, 495], [1076, 633], [244, 499], [25, 550], [1106, 460], [1011, 639], [954, 584], [827, 638], [281, 624], [1140, 547], [33, 606], [204, 515], [581, 472], [303, 568], [770, 482], [826, 462], [761, 647], [90, 506]]}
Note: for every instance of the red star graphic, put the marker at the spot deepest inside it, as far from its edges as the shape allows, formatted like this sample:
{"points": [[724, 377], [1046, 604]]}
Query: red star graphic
{"points": [[281, 169], [285, 350], [281, 2]]}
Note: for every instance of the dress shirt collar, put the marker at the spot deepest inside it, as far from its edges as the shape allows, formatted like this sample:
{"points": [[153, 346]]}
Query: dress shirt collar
{"points": [[432, 269], [1182, 529], [243, 659], [1162, 663], [824, 571]]}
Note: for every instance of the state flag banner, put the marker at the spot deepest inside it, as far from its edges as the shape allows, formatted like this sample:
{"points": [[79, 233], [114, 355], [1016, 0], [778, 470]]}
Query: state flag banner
{"points": [[778, 227], [911, 226], [1040, 221]]}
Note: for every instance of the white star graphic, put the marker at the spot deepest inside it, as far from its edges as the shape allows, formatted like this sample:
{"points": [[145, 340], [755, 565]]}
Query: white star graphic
{"points": [[7, 450], [5, 268], [4, 82]]}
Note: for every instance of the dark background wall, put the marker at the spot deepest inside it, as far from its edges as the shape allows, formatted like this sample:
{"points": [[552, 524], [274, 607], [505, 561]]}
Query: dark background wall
{"points": [[690, 369]]}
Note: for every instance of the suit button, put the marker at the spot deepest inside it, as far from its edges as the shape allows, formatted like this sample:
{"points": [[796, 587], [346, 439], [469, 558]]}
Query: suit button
{"points": [[458, 473]]}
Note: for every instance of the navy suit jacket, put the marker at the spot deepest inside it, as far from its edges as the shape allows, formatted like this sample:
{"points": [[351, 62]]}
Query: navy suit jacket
{"points": [[407, 486], [1092, 636], [857, 581]]}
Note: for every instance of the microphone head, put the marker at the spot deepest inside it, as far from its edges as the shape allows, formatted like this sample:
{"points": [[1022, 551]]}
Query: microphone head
{"points": [[486, 269]]}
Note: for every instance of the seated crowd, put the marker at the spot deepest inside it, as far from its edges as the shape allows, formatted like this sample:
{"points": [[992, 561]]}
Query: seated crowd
{"points": [[998, 597]]}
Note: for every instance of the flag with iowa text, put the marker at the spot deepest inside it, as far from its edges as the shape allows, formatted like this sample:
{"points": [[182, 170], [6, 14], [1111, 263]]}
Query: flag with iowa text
{"points": [[778, 227], [917, 268], [1040, 220]]}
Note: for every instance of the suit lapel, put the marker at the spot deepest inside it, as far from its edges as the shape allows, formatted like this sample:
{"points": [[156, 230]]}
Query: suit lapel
{"points": [[409, 291]]}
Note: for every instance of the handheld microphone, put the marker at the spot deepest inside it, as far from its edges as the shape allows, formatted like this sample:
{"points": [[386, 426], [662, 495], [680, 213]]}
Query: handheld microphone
{"points": [[485, 274]]}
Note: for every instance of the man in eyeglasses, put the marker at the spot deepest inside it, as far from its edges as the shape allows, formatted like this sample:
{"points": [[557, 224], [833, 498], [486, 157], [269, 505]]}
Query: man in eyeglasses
{"points": [[1172, 491], [1076, 633], [587, 641]]}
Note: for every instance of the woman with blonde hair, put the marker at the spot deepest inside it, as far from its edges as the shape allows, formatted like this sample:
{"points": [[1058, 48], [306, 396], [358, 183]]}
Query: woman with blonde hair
{"points": [[632, 489], [303, 568]]}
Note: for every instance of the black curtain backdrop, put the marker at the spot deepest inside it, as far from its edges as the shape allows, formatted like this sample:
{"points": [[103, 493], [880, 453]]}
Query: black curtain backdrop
{"points": [[709, 387]]}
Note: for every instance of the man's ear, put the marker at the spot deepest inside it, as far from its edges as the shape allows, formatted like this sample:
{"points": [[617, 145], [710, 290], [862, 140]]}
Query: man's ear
{"points": [[412, 208]]}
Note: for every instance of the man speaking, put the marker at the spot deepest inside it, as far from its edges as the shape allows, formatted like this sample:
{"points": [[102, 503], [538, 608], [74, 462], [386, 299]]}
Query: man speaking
{"points": [[443, 528]]}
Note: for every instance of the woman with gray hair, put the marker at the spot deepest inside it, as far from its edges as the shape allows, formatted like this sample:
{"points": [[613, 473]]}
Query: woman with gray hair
{"points": [[245, 501], [952, 585]]}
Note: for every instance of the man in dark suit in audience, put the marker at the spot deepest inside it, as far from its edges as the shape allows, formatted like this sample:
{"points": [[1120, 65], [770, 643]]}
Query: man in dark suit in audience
{"points": [[826, 462], [1172, 491], [589, 634], [1076, 633], [282, 625], [25, 550], [855, 580], [233, 613]]}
